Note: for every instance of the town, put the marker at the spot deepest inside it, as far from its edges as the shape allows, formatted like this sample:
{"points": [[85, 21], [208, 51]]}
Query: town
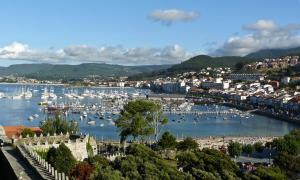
{"points": [[149, 90]]}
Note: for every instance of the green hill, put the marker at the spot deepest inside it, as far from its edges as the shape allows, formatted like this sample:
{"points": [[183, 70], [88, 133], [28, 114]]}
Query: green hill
{"points": [[202, 61], [50, 71], [195, 64], [274, 53]]}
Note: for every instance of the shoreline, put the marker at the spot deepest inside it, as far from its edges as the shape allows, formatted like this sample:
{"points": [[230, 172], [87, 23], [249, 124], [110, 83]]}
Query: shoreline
{"points": [[264, 113], [216, 142], [59, 84], [212, 138]]}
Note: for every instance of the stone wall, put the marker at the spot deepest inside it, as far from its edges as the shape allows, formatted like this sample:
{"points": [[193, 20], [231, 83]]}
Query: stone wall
{"points": [[77, 146]]}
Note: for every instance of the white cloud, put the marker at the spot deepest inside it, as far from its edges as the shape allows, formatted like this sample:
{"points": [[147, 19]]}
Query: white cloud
{"points": [[263, 34], [167, 17], [106, 54]]}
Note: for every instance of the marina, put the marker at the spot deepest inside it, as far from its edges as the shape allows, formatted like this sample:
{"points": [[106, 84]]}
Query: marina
{"points": [[96, 109]]}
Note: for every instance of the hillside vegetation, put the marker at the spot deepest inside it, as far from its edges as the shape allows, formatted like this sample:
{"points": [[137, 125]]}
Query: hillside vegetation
{"points": [[195, 64], [50, 71], [274, 53]]}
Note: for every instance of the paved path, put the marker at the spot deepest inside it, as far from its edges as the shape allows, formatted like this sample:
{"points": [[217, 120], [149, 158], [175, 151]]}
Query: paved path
{"points": [[19, 165]]}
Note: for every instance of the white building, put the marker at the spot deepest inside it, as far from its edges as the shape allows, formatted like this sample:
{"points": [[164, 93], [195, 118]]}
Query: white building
{"points": [[247, 77], [215, 85]]}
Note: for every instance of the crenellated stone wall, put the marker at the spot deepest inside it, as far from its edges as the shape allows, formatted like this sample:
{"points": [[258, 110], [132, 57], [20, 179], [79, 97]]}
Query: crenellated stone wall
{"points": [[43, 143]]}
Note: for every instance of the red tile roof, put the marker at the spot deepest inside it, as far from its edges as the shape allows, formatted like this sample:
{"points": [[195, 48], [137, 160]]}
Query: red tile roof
{"points": [[16, 131]]}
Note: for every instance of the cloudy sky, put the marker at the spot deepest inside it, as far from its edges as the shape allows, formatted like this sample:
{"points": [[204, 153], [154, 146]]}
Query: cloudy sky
{"points": [[142, 32]]}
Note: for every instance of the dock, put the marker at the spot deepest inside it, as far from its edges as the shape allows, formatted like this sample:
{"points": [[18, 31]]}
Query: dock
{"points": [[198, 113]]}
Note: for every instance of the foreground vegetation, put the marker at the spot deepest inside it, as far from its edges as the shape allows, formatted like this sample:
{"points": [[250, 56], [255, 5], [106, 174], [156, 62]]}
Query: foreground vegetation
{"points": [[167, 158]]}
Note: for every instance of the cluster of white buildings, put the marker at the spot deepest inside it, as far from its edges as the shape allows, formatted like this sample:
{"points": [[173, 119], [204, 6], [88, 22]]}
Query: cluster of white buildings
{"points": [[264, 96], [283, 62]]}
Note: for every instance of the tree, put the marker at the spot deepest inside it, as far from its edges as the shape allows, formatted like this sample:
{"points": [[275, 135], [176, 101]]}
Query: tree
{"points": [[58, 125], [234, 149], [258, 146], [61, 158], [288, 163], [89, 148], [82, 171], [51, 154], [207, 164], [139, 119], [107, 173], [167, 141], [273, 173], [98, 160], [27, 131], [248, 149], [288, 159], [187, 144]]}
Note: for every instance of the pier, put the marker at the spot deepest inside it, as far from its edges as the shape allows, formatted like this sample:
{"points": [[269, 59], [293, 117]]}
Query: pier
{"points": [[201, 112]]}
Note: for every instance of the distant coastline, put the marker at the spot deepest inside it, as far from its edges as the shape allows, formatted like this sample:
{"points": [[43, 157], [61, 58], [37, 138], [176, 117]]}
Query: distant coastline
{"points": [[60, 84]]}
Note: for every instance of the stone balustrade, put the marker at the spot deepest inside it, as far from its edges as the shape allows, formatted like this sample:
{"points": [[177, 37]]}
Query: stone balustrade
{"points": [[43, 163]]}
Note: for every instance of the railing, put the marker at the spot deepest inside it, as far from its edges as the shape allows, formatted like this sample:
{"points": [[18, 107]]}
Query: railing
{"points": [[44, 168]]}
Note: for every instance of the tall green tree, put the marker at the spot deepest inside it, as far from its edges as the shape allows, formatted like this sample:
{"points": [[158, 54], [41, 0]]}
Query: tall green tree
{"points": [[64, 160], [248, 149], [139, 119], [58, 125], [167, 141]]}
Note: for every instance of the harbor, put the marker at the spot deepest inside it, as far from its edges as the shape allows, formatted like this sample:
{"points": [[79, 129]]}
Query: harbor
{"points": [[96, 109]]}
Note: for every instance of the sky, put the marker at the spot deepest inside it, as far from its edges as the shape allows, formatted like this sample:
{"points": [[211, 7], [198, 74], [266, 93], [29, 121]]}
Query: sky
{"points": [[147, 32]]}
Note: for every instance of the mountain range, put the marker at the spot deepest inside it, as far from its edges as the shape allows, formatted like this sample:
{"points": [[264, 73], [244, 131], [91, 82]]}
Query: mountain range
{"points": [[51, 71], [63, 71]]}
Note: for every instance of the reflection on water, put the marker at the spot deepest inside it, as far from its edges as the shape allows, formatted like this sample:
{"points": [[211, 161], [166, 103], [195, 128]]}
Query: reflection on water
{"points": [[16, 112]]}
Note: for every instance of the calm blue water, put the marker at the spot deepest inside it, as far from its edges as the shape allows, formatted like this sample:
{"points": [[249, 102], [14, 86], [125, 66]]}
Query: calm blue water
{"points": [[16, 112]]}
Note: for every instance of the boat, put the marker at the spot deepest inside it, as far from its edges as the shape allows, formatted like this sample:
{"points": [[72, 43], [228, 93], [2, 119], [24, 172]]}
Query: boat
{"points": [[2, 95], [101, 125], [17, 96], [30, 118], [35, 115], [43, 103], [92, 122]]}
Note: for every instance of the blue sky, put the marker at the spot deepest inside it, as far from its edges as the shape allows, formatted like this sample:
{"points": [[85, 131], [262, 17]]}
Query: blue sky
{"points": [[136, 32]]}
